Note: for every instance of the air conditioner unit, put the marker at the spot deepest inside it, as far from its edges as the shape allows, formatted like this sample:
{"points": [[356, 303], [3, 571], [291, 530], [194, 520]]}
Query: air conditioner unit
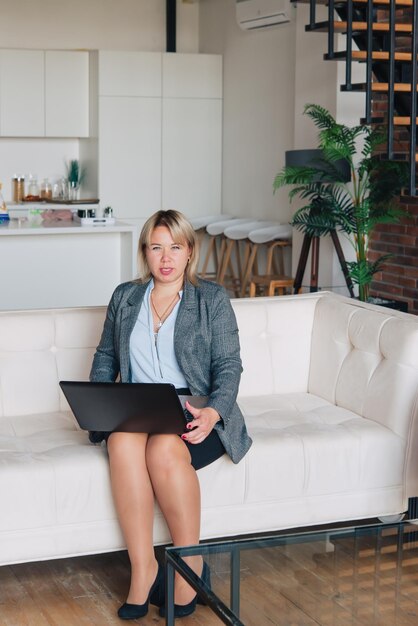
{"points": [[259, 14]]}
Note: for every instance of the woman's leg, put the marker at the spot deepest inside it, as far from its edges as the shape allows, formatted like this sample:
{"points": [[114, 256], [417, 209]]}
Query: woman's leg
{"points": [[177, 491], [134, 500]]}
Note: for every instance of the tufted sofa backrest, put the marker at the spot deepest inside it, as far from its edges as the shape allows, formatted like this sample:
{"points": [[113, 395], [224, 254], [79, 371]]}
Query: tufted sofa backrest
{"points": [[39, 348], [359, 358], [275, 336], [366, 360]]}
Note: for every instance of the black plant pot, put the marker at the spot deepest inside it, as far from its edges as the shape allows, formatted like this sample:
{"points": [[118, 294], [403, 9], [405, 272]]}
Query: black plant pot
{"points": [[398, 305]]}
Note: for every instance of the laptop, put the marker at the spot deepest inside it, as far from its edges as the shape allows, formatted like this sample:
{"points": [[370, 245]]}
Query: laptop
{"points": [[129, 407]]}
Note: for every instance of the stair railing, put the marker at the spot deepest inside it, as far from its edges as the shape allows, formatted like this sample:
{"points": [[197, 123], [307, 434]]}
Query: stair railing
{"points": [[349, 46], [413, 112], [331, 29], [391, 81], [369, 61], [369, 71], [312, 13]]}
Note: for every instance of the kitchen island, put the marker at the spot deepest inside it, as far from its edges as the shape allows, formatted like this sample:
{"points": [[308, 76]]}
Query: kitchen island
{"points": [[63, 264]]}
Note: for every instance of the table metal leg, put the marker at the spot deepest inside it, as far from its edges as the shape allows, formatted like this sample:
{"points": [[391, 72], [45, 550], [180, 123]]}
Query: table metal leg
{"points": [[169, 595], [235, 581]]}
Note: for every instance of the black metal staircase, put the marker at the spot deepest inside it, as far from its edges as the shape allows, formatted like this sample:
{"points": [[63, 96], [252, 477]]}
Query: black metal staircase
{"points": [[382, 34]]}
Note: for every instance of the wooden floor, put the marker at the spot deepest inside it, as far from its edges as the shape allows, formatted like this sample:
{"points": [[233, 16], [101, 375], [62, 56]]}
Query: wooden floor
{"points": [[340, 582]]}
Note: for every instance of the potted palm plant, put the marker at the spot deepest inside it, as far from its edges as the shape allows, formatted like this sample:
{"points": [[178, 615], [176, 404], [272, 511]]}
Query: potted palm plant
{"points": [[353, 208]]}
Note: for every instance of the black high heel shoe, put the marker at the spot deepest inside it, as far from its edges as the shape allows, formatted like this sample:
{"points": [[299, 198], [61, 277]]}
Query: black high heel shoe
{"points": [[134, 611], [183, 610]]}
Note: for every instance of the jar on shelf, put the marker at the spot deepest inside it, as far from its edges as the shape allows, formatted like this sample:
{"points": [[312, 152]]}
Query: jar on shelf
{"points": [[18, 188], [46, 189]]}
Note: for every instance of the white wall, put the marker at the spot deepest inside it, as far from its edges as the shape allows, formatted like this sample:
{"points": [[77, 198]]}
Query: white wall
{"points": [[95, 24], [259, 81]]}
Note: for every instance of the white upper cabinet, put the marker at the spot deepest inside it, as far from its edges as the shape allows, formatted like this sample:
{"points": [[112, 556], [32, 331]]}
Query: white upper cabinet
{"points": [[192, 76], [128, 73], [66, 93], [44, 93], [22, 93]]}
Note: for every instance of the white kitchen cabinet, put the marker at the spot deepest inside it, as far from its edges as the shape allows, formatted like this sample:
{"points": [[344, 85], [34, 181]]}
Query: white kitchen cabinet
{"points": [[160, 132], [66, 93], [192, 75], [44, 93], [130, 73], [130, 155], [22, 93], [64, 264], [192, 155]]}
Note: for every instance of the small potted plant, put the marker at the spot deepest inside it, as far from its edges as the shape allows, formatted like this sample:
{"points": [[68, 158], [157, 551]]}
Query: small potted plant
{"points": [[75, 177], [354, 207]]}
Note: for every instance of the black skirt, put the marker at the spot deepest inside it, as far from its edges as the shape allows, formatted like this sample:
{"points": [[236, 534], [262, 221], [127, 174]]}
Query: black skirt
{"points": [[209, 450]]}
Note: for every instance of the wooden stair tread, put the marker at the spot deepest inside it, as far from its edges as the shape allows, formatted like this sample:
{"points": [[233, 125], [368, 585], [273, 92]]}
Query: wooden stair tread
{"points": [[378, 55], [361, 55], [386, 3], [379, 87], [377, 26], [399, 87], [341, 27], [403, 120], [379, 3]]}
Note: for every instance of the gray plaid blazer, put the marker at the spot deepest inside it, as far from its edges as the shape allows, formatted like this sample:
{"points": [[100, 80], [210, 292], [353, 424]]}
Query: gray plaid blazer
{"points": [[206, 345]]}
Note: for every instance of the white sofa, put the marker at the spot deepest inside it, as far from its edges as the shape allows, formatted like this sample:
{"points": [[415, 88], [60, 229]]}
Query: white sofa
{"points": [[329, 391]]}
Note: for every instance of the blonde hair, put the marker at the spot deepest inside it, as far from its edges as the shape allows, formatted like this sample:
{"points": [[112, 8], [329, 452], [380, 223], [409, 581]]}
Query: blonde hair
{"points": [[181, 231]]}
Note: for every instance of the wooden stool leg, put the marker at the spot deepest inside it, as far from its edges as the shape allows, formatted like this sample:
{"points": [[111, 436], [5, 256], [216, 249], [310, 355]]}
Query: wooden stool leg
{"points": [[220, 251], [252, 290], [269, 261], [278, 245], [237, 285], [248, 269], [225, 262], [209, 253], [271, 288]]}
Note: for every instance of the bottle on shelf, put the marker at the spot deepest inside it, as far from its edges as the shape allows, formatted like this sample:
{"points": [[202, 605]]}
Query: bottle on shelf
{"points": [[33, 189], [4, 213]]}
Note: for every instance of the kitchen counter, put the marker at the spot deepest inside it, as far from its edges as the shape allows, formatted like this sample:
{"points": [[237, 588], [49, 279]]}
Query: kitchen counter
{"points": [[23, 227], [63, 264]]}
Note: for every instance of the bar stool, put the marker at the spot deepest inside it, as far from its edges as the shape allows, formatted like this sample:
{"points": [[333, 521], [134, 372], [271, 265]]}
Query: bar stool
{"points": [[200, 223], [216, 245], [276, 237], [271, 283], [236, 237]]}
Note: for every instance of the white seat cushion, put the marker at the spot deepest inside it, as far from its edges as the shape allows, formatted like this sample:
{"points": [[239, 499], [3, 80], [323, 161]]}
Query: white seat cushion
{"points": [[305, 446]]}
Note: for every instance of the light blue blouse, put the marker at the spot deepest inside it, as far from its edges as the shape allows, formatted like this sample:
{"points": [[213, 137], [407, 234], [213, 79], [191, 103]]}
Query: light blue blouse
{"points": [[152, 356]]}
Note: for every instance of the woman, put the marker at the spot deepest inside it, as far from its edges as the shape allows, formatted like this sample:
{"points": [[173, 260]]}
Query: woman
{"points": [[169, 327]]}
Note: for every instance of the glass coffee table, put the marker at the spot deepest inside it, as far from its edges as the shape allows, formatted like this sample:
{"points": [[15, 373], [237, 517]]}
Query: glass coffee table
{"points": [[344, 576]]}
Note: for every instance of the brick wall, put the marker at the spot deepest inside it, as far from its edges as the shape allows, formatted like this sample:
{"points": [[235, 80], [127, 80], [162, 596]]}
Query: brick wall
{"points": [[398, 279]]}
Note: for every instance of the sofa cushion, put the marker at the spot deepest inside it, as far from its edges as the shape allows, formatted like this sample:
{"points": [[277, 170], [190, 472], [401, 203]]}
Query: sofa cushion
{"points": [[305, 446], [39, 348], [266, 344], [50, 469]]}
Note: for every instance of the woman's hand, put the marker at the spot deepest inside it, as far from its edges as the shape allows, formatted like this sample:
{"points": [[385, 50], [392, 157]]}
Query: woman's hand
{"points": [[202, 424]]}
